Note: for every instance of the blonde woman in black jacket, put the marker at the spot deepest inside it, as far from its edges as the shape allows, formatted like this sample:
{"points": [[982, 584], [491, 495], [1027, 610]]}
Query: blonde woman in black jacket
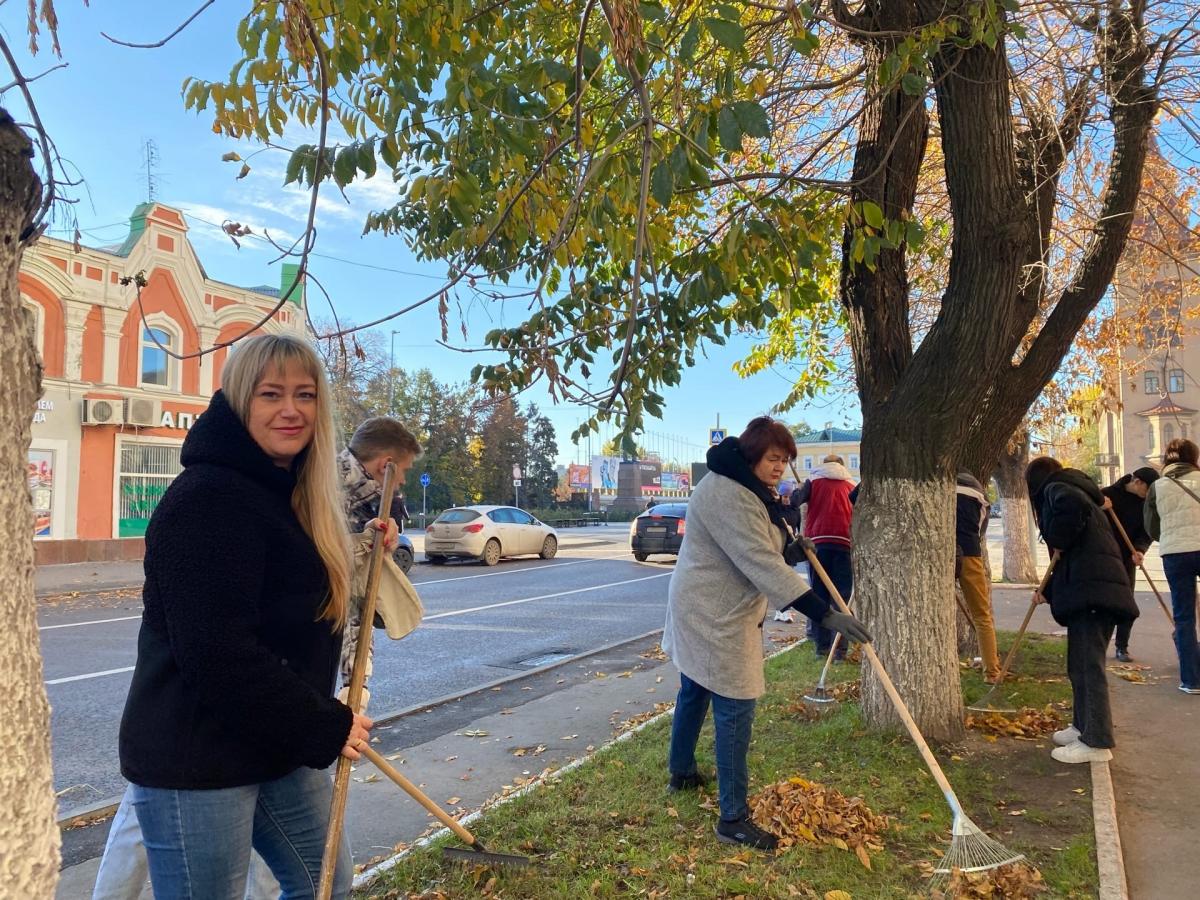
{"points": [[230, 715]]}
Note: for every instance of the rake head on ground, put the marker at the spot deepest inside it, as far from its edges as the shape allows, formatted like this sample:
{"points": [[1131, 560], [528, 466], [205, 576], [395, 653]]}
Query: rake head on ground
{"points": [[476, 854], [971, 851], [988, 703], [821, 699]]}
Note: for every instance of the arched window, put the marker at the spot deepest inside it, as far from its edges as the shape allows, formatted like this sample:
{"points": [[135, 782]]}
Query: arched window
{"points": [[1153, 445], [1168, 434], [158, 368]]}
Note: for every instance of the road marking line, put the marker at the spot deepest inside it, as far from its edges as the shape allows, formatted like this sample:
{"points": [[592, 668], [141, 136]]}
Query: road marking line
{"points": [[89, 622], [574, 562], [596, 587], [90, 675]]}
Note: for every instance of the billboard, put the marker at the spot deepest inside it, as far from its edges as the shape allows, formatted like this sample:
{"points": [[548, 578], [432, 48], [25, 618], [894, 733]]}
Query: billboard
{"points": [[676, 481], [651, 472], [579, 478], [604, 472]]}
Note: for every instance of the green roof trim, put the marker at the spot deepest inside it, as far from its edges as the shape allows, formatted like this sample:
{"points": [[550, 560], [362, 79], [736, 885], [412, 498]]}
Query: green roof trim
{"points": [[287, 277], [137, 227]]}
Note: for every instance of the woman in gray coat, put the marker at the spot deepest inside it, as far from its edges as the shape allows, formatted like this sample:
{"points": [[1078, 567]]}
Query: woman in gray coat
{"points": [[731, 567]]}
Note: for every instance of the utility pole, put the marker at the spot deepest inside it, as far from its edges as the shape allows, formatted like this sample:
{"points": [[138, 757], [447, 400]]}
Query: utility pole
{"points": [[392, 376]]}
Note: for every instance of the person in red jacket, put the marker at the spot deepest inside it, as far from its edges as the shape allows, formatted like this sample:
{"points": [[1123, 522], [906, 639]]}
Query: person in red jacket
{"points": [[829, 495]]}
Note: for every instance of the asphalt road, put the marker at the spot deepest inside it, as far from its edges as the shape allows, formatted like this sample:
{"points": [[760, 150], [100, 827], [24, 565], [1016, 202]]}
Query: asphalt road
{"points": [[480, 625]]}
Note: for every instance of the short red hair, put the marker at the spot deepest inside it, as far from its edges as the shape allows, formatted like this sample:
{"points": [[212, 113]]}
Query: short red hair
{"points": [[761, 435]]}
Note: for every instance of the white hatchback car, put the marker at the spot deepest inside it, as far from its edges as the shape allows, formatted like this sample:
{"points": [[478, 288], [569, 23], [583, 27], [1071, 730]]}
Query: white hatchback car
{"points": [[488, 533]]}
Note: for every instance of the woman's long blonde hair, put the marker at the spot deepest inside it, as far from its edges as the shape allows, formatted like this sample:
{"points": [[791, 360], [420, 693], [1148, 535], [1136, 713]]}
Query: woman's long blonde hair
{"points": [[317, 497]]}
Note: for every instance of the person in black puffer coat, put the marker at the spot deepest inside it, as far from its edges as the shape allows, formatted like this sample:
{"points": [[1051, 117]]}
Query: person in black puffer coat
{"points": [[1127, 496], [231, 713], [1088, 593]]}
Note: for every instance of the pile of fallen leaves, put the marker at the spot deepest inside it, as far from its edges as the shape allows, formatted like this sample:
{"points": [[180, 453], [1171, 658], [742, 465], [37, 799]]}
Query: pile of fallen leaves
{"points": [[1016, 881], [635, 721], [1027, 724], [847, 691], [801, 810], [1131, 672]]}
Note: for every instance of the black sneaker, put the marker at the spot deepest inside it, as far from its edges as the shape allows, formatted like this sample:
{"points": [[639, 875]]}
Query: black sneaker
{"points": [[686, 782], [743, 831], [1123, 656]]}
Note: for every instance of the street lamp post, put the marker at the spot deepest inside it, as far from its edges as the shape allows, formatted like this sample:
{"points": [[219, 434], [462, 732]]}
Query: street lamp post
{"points": [[392, 376]]}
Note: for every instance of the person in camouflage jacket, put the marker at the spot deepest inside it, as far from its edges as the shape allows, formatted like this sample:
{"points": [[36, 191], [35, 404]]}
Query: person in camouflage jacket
{"points": [[375, 443]]}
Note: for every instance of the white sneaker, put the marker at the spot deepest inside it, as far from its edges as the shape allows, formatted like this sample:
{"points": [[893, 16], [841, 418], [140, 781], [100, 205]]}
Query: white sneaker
{"points": [[1079, 752], [782, 615], [1189, 690], [1067, 736]]}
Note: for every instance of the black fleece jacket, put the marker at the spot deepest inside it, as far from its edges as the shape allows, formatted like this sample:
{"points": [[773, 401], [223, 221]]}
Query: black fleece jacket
{"points": [[1130, 509], [1090, 573], [235, 675]]}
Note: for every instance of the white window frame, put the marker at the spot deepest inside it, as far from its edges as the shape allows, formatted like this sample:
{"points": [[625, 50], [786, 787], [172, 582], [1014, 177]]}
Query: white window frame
{"points": [[162, 323], [853, 462], [808, 463], [39, 324], [120, 440], [1174, 375], [58, 497]]}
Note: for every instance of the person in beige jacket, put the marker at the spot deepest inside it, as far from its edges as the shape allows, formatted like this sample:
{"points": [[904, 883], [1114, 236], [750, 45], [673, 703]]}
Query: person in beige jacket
{"points": [[731, 567], [1173, 519]]}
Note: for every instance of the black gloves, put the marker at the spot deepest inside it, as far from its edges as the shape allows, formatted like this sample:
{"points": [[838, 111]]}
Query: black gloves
{"points": [[847, 625], [793, 553]]}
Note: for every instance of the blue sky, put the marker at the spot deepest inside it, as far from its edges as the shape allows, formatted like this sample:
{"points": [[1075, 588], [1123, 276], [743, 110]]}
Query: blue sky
{"points": [[110, 99]]}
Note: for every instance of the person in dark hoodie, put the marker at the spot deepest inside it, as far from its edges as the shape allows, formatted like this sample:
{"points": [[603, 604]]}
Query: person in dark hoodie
{"points": [[230, 716], [732, 566], [970, 525], [1088, 593], [1126, 497]]}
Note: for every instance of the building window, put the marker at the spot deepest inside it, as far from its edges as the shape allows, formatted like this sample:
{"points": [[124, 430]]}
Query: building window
{"points": [[157, 364], [145, 473], [1153, 445], [1168, 431], [1175, 381], [1152, 383], [853, 462], [808, 463]]}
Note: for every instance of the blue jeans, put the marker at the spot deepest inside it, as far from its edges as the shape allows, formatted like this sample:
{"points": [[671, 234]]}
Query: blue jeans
{"points": [[733, 721], [1181, 570], [835, 559], [198, 842], [124, 872]]}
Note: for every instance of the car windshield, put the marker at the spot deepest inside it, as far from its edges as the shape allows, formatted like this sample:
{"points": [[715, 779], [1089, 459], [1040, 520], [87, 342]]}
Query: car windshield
{"points": [[452, 516], [676, 510]]}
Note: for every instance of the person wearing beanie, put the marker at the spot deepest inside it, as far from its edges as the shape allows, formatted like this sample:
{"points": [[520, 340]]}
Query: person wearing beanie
{"points": [[1089, 595], [1126, 497]]}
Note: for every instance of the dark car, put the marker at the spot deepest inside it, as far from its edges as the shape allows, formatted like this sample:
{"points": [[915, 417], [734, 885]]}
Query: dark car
{"points": [[403, 556], [659, 529]]}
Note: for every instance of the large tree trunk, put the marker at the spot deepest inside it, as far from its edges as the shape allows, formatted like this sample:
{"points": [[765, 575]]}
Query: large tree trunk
{"points": [[28, 832], [1019, 565]]}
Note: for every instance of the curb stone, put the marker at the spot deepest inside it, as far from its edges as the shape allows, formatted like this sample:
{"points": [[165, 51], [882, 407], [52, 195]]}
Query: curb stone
{"points": [[1110, 862]]}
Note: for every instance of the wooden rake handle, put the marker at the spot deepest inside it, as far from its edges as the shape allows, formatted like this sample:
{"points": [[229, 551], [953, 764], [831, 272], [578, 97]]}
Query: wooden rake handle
{"points": [[358, 675], [1150, 581], [901, 709], [417, 794], [1033, 604]]}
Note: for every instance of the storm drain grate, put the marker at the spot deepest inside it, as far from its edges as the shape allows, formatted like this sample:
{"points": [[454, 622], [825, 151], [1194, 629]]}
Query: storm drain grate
{"points": [[544, 659]]}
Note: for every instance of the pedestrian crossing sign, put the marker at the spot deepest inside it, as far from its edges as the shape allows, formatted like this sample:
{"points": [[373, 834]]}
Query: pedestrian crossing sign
{"points": [[715, 436]]}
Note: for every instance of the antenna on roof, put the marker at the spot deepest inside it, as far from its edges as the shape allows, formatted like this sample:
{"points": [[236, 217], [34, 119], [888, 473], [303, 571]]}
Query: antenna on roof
{"points": [[151, 160]]}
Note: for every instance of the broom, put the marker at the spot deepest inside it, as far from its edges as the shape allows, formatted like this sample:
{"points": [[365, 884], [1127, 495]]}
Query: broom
{"points": [[1150, 581], [971, 850]]}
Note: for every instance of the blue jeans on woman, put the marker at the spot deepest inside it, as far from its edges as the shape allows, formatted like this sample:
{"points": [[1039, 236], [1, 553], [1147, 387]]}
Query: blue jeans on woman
{"points": [[1181, 570], [733, 721], [198, 841], [836, 560]]}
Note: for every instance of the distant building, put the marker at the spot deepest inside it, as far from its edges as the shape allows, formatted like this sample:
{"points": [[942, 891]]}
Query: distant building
{"points": [[1157, 391], [115, 407], [811, 448]]}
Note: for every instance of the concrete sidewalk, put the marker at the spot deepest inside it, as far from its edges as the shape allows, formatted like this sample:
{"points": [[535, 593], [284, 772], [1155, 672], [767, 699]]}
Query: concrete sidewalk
{"points": [[1155, 767]]}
